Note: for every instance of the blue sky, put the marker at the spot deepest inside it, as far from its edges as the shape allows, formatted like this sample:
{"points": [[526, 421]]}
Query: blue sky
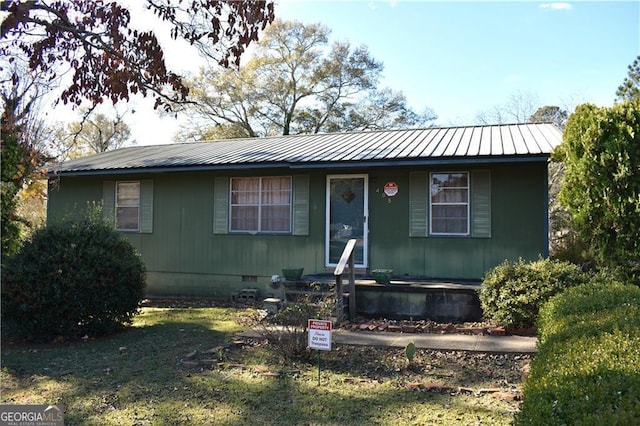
{"points": [[460, 58], [457, 58]]}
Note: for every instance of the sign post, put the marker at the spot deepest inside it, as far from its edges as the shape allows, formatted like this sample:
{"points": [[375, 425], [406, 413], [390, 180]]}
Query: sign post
{"points": [[319, 337]]}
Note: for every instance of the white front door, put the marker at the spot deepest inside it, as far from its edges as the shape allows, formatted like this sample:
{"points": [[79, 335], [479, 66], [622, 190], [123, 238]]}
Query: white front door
{"points": [[347, 214]]}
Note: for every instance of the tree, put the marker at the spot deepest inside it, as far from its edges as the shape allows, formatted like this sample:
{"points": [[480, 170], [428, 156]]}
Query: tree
{"points": [[630, 87], [212, 133], [97, 133], [16, 158], [519, 108], [601, 184], [550, 114], [297, 83], [91, 48], [562, 240], [107, 57], [21, 152]]}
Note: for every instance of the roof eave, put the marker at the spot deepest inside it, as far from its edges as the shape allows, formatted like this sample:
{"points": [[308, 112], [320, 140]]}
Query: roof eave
{"points": [[439, 161]]}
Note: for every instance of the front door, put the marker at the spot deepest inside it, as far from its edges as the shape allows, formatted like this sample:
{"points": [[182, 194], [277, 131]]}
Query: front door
{"points": [[347, 214]]}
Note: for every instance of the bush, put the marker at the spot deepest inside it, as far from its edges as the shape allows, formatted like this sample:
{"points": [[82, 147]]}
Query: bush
{"points": [[72, 279], [286, 330], [601, 182], [512, 293], [587, 370]]}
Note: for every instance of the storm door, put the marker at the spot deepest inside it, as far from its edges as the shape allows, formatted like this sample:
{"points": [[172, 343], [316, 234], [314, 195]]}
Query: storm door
{"points": [[347, 211]]}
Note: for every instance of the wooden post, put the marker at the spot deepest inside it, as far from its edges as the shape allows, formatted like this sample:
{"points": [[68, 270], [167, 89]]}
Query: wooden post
{"points": [[352, 289], [339, 305], [347, 258]]}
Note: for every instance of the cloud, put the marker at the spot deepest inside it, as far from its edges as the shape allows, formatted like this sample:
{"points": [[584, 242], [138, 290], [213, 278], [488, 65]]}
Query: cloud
{"points": [[374, 5], [513, 78], [556, 6]]}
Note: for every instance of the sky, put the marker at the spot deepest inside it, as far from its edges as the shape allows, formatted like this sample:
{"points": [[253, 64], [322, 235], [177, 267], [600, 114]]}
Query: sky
{"points": [[463, 58], [459, 58]]}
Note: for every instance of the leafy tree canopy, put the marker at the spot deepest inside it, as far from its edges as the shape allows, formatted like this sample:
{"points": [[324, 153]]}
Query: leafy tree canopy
{"points": [[630, 87], [102, 56], [107, 57], [21, 158], [601, 184], [550, 114], [298, 83]]}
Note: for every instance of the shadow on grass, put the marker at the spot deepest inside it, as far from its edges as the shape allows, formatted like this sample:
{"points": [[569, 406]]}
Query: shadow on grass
{"points": [[301, 401], [96, 378], [140, 377]]}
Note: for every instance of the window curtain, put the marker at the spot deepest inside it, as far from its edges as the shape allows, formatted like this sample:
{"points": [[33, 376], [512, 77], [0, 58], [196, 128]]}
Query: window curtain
{"points": [[276, 204], [127, 205], [245, 198], [261, 204]]}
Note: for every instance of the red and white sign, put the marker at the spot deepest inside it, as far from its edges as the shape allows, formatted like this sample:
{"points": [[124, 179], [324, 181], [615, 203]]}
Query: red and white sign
{"points": [[390, 189], [319, 334]]}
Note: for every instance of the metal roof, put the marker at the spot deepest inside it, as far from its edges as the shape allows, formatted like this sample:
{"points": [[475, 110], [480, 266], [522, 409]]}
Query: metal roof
{"points": [[438, 145]]}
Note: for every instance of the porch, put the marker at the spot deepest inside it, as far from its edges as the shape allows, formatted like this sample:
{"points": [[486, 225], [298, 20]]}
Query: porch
{"points": [[404, 298]]}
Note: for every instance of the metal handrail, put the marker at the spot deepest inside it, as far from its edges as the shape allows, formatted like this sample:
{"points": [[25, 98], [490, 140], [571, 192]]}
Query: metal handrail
{"points": [[346, 258]]}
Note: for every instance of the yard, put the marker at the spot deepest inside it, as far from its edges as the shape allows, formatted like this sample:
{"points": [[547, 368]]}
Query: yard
{"points": [[182, 365]]}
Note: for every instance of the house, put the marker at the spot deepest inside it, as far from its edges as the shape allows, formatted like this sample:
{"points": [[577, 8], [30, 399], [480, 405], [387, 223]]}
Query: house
{"points": [[211, 218]]}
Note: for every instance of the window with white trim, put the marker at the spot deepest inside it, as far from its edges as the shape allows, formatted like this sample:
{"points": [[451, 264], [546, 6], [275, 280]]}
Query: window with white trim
{"points": [[449, 203], [261, 204], [128, 206]]}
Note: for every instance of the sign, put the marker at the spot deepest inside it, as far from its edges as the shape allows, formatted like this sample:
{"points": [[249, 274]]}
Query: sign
{"points": [[390, 189], [319, 334]]}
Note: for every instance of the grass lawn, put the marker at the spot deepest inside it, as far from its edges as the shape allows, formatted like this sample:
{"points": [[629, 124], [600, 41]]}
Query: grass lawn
{"points": [[165, 370]]}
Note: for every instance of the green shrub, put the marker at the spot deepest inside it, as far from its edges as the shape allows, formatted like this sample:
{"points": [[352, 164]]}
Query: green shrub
{"points": [[71, 279], [512, 293], [587, 370]]}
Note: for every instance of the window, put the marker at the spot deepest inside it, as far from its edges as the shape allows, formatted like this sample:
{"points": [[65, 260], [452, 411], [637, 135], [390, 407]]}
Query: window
{"points": [[127, 206], [261, 204], [434, 198], [449, 203]]}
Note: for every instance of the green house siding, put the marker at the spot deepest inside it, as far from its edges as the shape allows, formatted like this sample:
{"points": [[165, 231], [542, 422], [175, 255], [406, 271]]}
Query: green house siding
{"points": [[183, 254], [188, 251], [517, 212]]}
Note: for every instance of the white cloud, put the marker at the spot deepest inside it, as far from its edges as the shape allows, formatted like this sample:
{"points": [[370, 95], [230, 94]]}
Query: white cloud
{"points": [[375, 5], [556, 6], [513, 78]]}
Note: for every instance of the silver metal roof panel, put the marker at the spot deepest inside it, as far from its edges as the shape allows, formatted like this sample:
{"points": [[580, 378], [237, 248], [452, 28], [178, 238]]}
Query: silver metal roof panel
{"points": [[494, 143]]}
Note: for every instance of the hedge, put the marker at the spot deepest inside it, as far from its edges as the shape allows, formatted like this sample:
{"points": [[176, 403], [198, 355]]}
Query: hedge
{"points": [[512, 293], [587, 370]]}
